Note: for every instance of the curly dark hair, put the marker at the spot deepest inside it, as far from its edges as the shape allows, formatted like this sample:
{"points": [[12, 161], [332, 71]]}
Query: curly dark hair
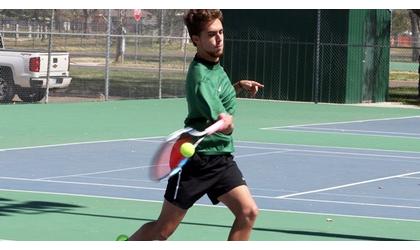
{"points": [[196, 19]]}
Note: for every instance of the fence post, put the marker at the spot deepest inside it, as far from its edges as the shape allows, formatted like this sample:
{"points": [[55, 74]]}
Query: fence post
{"points": [[317, 51], [49, 56], [160, 53], [17, 31], [37, 31], [108, 45], [418, 86]]}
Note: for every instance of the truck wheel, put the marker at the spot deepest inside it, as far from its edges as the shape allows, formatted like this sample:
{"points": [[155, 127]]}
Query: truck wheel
{"points": [[31, 94], [7, 87]]}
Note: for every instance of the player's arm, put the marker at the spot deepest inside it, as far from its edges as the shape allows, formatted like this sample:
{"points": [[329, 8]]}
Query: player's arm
{"points": [[248, 85], [211, 107]]}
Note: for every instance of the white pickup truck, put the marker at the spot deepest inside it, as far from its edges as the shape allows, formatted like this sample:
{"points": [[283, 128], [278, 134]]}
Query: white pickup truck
{"points": [[24, 72]]}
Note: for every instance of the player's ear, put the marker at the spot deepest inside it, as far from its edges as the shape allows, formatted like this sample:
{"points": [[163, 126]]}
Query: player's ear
{"points": [[195, 39]]}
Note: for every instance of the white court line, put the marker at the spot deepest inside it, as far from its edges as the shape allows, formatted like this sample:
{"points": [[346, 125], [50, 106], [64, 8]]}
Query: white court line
{"points": [[335, 153], [313, 130], [346, 196], [359, 131], [205, 205], [259, 154], [346, 185], [343, 122], [369, 196], [79, 183], [92, 173], [417, 178], [117, 179], [147, 139], [293, 146], [140, 167], [356, 203], [77, 143], [341, 202]]}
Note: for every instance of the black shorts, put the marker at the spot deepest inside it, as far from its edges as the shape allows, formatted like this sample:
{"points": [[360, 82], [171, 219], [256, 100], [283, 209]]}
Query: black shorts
{"points": [[213, 175]]}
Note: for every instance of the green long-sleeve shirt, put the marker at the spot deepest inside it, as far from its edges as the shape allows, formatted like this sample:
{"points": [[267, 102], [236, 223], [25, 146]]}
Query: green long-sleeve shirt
{"points": [[209, 92]]}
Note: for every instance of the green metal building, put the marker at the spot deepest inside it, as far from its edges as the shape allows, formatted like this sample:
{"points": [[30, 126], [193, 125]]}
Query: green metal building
{"points": [[281, 48]]}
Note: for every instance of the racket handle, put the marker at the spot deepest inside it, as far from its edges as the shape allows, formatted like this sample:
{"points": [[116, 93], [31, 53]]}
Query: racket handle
{"points": [[178, 168], [215, 127]]}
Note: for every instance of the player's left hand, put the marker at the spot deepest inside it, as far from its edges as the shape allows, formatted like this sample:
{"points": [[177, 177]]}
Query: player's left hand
{"points": [[250, 86]]}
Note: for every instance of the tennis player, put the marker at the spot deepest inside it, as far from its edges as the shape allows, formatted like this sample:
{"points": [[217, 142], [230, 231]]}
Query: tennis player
{"points": [[212, 169]]}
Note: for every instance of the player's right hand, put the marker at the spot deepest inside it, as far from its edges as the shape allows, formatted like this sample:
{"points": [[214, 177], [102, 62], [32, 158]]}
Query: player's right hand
{"points": [[228, 123]]}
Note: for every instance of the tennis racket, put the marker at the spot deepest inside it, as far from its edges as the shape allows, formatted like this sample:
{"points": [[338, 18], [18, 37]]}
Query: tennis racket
{"points": [[168, 159]]}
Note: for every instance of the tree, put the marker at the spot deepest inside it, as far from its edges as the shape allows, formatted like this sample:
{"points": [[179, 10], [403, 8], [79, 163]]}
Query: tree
{"points": [[87, 16], [41, 16], [400, 22], [415, 30], [121, 31], [415, 27]]}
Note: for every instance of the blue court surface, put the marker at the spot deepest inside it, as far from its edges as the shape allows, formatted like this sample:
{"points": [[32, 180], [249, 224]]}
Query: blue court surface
{"points": [[404, 127], [317, 172], [313, 179]]}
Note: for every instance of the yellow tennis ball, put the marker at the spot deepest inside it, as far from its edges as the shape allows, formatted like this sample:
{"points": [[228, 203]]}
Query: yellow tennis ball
{"points": [[187, 149]]}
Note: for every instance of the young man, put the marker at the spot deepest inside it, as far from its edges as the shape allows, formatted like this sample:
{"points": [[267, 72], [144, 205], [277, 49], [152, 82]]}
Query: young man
{"points": [[211, 170]]}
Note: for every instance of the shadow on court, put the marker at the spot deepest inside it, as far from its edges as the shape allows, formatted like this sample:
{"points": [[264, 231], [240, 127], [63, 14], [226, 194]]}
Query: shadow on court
{"points": [[334, 235], [7, 207]]}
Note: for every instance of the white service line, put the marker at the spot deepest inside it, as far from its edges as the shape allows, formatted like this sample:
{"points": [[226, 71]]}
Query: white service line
{"points": [[295, 146], [80, 183], [327, 131], [335, 152], [410, 177], [358, 131], [346, 185], [343, 122], [205, 205], [92, 173], [78, 143], [259, 154], [341, 202], [356, 203]]}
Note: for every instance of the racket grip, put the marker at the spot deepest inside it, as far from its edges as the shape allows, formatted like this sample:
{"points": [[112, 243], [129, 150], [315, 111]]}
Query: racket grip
{"points": [[215, 127]]}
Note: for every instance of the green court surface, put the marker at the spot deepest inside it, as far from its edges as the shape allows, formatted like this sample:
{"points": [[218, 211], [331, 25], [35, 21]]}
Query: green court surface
{"points": [[26, 215], [38, 216], [404, 66], [39, 124]]}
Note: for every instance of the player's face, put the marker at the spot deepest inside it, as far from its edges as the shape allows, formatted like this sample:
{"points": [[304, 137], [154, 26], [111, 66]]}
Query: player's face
{"points": [[210, 41]]}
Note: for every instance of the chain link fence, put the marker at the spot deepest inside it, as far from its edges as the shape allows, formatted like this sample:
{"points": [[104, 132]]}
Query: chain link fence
{"points": [[333, 56], [146, 59], [131, 59]]}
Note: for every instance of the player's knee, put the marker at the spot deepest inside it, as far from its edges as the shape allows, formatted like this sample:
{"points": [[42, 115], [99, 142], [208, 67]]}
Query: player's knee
{"points": [[250, 214], [253, 213], [164, 234]]}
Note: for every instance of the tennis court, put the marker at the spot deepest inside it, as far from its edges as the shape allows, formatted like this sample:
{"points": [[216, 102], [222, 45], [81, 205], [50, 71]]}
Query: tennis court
{"points": [[317, 171]]}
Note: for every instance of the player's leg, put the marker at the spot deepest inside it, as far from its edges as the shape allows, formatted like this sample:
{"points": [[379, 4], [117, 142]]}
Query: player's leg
{"points": [[164, 226], [243, 206]]}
